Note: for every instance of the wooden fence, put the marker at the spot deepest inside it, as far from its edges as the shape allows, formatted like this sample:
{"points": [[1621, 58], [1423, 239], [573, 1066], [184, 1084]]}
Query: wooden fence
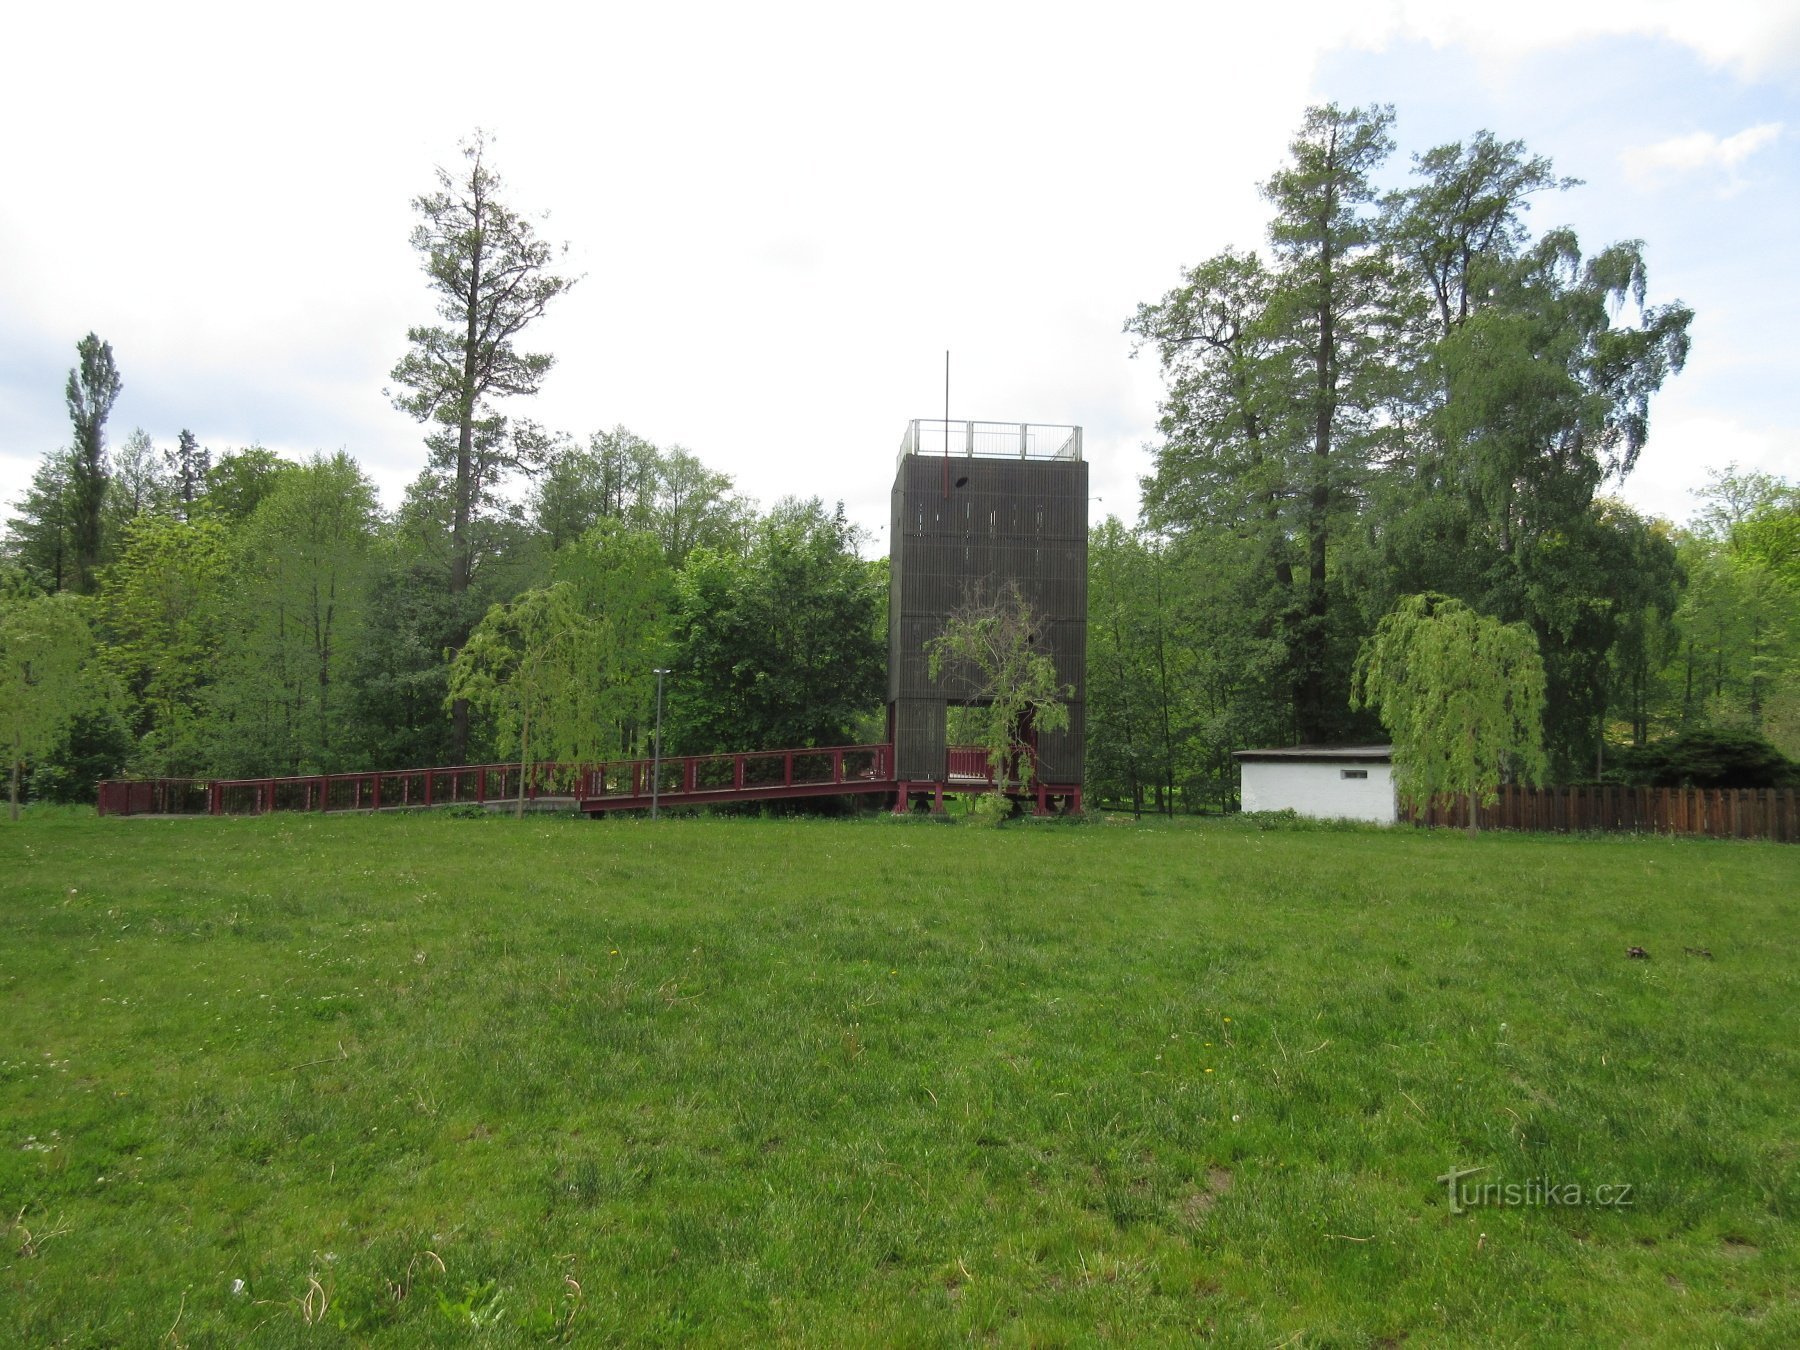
{"points": [[1722, 813]]}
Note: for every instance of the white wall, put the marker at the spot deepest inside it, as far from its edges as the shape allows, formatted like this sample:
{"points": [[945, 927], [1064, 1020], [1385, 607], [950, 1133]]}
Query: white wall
{"points": [[1320, 789]]}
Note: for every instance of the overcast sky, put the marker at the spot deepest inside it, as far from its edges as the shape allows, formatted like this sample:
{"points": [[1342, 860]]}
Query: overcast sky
{"points": [[784, 214]]}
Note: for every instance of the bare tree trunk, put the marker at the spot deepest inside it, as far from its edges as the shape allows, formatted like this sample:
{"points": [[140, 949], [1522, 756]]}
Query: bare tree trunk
{"points": [[15, 786]]}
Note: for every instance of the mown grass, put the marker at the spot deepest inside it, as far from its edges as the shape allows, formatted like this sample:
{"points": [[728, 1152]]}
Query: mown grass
{"points": [[411, 1079]]}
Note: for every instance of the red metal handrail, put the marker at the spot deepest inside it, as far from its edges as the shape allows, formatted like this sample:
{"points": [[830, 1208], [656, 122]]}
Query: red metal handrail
{"points": [[617, 784], [754, 771], [378, 789], [369, 790]]}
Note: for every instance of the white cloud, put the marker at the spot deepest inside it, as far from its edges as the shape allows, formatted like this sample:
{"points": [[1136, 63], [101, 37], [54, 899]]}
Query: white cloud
{"points": [[1688, 441], [1697, 152], [1754, 39], [784, 213]]}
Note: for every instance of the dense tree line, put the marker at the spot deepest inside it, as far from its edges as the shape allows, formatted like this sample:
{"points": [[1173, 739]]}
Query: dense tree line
{"points": [[1407, 392], [1404, 393], [272, 619]]}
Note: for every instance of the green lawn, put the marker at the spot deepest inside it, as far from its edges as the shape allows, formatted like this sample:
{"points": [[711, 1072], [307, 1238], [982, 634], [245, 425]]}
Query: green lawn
{"points": [[833, 1082]]}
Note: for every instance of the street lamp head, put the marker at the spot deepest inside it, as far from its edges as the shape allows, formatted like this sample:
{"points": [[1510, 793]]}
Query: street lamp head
{"points": [[660, 670]]}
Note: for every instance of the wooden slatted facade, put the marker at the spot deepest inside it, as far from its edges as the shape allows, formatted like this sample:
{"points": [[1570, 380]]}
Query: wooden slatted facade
{"points": [[964, 527]]}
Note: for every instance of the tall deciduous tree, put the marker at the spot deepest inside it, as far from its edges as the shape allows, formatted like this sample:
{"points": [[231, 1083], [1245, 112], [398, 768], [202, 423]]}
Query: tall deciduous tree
{"points": [[1424, 398], [237, 483], [93, 387], [1462, 696], [136, 484], [44, 642], [296, 617], [779, 647], [162, 605], [1275, 371], [622, 477], [492, 277]]}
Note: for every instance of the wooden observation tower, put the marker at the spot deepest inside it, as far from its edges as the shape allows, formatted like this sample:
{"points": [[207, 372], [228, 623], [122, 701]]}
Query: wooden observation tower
{"points": [[978, 507]]}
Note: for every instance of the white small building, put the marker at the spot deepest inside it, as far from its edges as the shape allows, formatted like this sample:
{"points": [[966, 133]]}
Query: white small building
{"points": [[1332, 782]]}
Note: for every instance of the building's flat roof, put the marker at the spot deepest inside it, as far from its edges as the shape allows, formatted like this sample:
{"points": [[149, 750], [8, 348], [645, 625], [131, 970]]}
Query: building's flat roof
{"points": [[1323, 753]]}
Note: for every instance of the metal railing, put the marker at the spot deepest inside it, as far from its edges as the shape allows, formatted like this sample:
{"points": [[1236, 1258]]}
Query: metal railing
{"points": [[386, 789], [621, 784], [990, 440], [741, 777]]}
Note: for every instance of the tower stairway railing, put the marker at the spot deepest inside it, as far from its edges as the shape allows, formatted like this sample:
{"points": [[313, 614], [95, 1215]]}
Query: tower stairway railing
{"points": [[616, 785]]}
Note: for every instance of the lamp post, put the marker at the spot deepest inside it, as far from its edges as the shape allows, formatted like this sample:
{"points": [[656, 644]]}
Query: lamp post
{"points": [[656, 747]]}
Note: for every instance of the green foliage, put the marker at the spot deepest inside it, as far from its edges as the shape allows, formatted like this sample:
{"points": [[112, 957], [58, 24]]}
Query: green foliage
{"points": [[40, 539], [1462, 695], [237, 484], [135, 486], [990, 643], [623, 478], [490, 274], [398, 673], [1275, 373], [991, 809], [781, 646], [186, 468], [531, 666], [1421, 397], [1180, 665], [97, 744], [1708, 758], [93, 386], [44, 645], [162, 606], [295, 614], [1734, 653], [620, 579]]}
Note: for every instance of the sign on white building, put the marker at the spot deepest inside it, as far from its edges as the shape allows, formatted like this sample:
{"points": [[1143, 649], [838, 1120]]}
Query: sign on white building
{"points": [[1331, 782]]}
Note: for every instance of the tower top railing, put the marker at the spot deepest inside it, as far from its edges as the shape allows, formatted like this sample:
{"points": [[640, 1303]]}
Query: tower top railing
{"points": [[990, 440]]}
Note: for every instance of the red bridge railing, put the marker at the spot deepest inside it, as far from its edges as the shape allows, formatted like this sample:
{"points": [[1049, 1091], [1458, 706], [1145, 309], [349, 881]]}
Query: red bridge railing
{"points": [[616, 785], [373, 791], [743, 777]]}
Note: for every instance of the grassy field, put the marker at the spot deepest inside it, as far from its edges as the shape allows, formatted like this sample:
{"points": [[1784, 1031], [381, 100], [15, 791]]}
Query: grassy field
{"points": [[405, 1080]]}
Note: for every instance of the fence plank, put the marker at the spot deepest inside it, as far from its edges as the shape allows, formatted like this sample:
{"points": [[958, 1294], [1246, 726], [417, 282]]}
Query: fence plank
{"points": [[1720, 813]]}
